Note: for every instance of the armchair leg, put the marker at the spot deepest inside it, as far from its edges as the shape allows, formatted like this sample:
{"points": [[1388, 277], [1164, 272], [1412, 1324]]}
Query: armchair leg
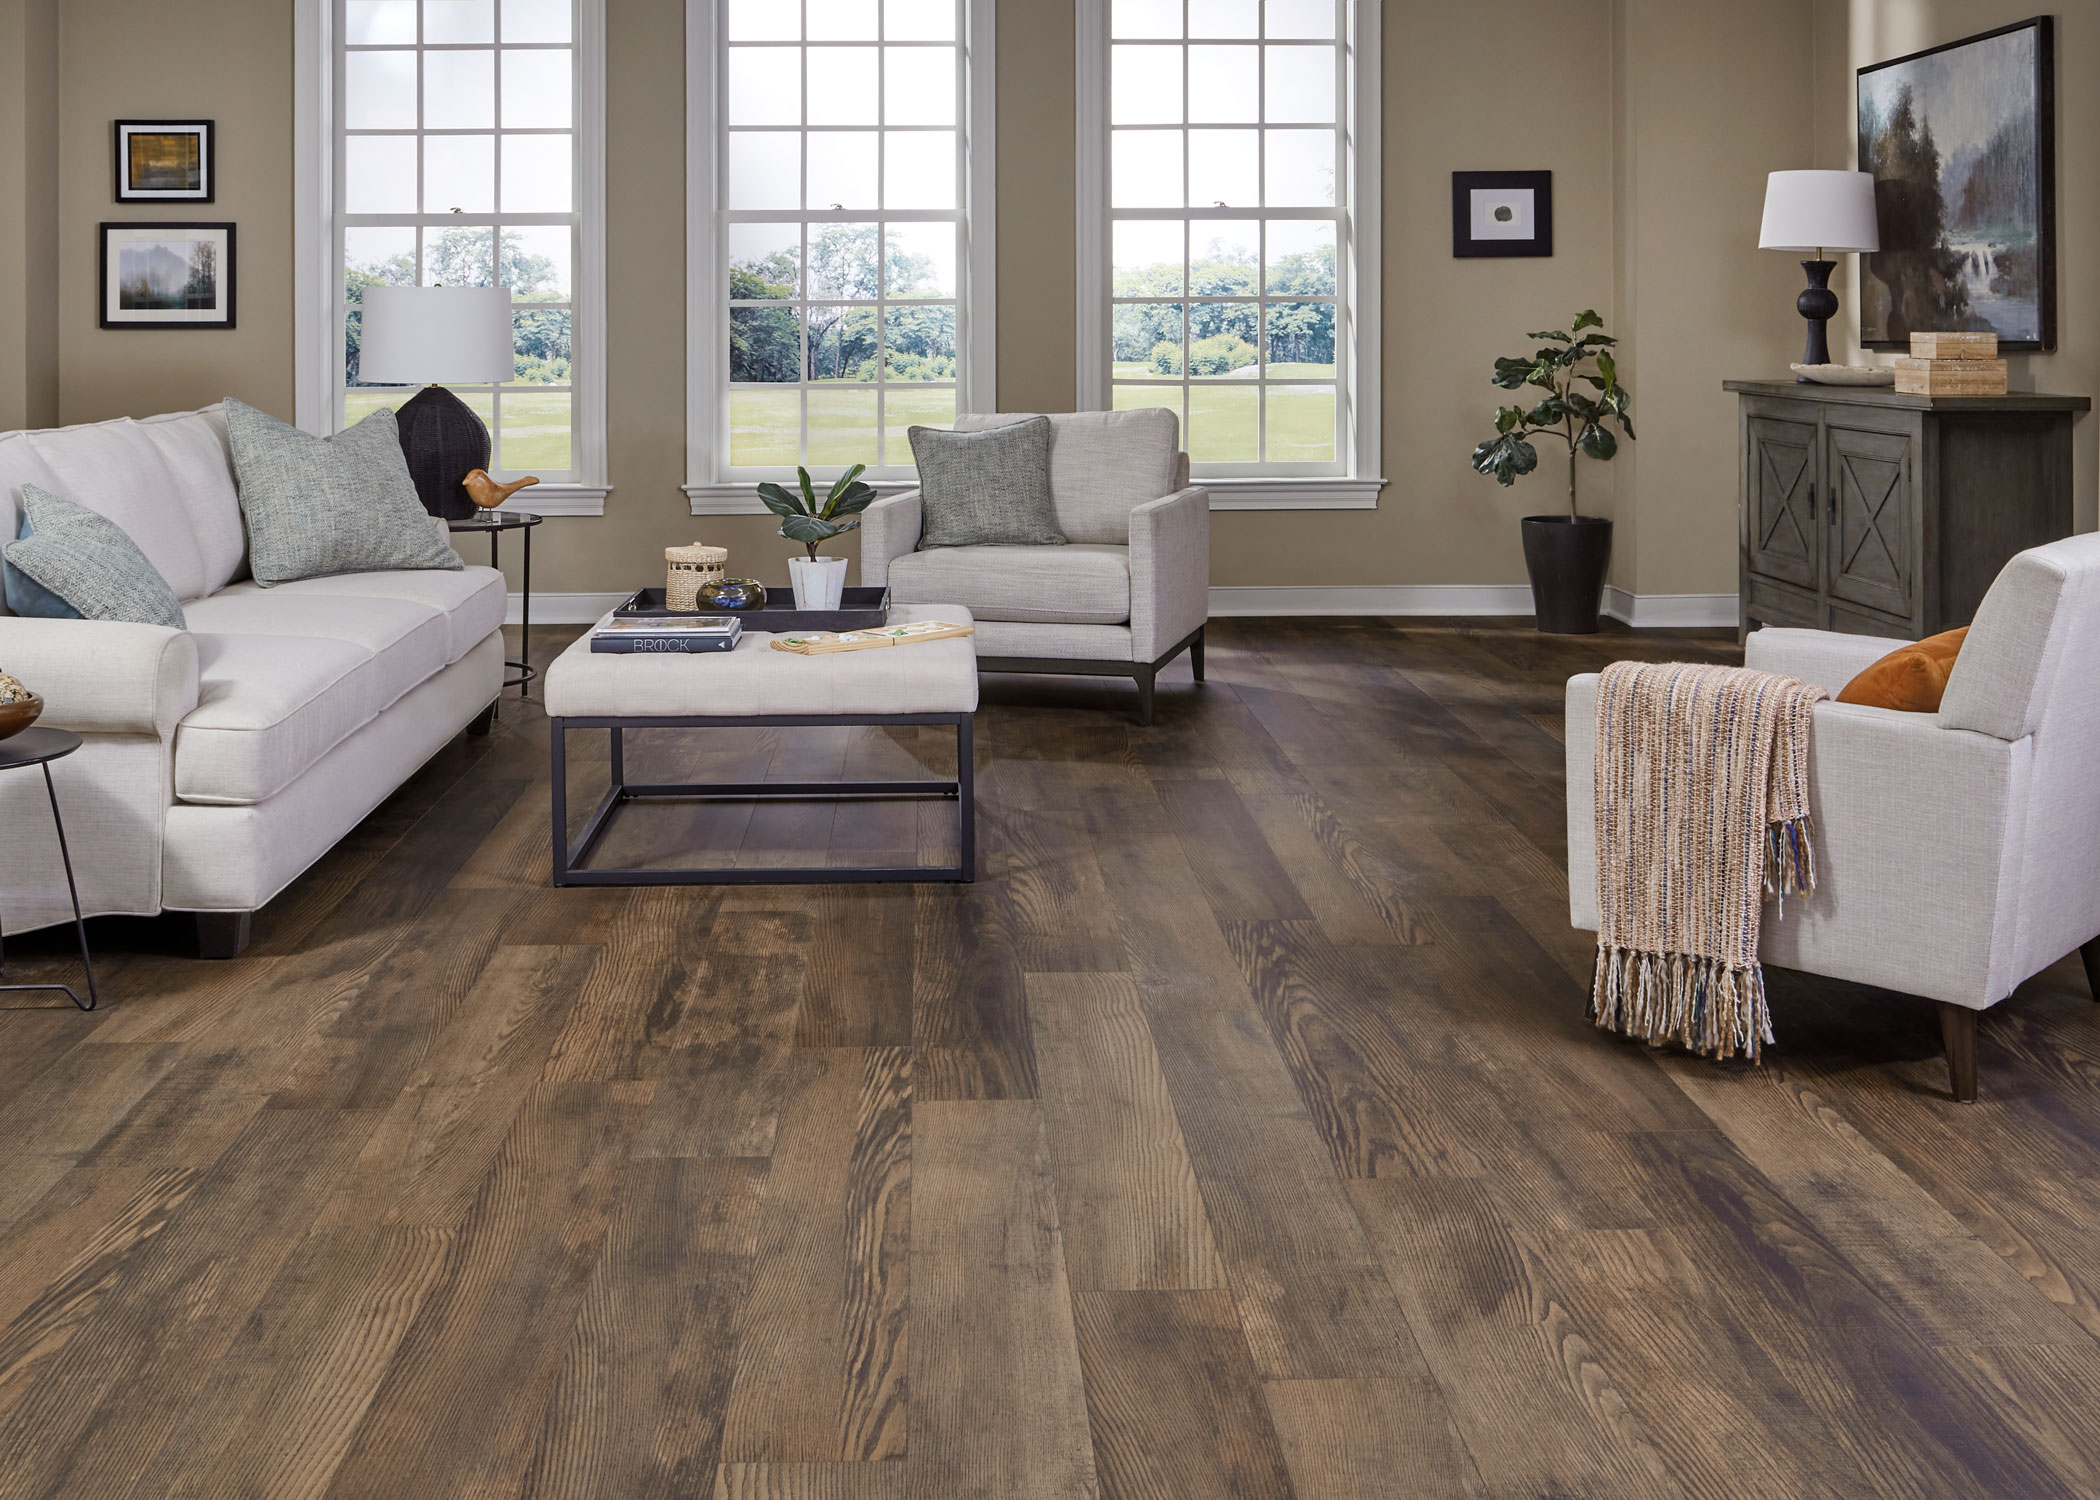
{"points": [[482, 722], [2090, 956], [222, 934], [1196, 660], [1145, 676], [1958, 1032]]}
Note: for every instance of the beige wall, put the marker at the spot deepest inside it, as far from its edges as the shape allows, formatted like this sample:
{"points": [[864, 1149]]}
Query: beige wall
{"points": [[1851, 34], [1668, 114]]}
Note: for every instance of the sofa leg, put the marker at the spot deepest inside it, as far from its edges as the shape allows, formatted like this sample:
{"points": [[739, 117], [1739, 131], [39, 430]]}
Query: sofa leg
{"points": [[482, 722], [1145, 679], [1958, 1032], [222, 934], [2090, 955], [1196, 656]]}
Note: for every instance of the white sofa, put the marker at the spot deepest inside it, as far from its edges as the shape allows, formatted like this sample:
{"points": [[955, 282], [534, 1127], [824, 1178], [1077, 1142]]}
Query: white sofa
{"points": [[221, 760], [1128, 594], [1957, 853]]}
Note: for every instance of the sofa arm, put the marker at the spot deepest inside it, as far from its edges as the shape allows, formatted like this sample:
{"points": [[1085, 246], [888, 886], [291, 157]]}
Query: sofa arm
{"points": [[889, 529], [1914, 831], [102, 676], [1825, 658], [1169, 571]]}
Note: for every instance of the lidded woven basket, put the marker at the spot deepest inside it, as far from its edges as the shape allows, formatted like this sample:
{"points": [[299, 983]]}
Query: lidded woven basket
{"points": [[692, 569]]}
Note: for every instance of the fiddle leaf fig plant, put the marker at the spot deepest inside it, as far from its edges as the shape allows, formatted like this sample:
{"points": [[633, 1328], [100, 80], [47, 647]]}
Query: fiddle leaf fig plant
{"points": [[811, 522], [1563, 413]]}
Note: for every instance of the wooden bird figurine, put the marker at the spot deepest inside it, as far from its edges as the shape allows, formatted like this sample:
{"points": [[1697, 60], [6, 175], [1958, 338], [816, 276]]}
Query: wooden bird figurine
{"points": [[488, 494]]}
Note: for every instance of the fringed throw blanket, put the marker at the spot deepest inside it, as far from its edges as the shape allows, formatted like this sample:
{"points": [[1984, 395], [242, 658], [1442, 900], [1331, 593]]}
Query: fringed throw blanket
{"points": [[1702, 813]]}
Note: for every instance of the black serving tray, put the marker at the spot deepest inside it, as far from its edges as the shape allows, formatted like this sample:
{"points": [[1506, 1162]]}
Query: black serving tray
{"points": [[859, 609]]}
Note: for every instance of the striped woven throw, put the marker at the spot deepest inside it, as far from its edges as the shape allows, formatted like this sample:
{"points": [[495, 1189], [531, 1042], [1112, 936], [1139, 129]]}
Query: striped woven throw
{"points": [[1702, 814]]}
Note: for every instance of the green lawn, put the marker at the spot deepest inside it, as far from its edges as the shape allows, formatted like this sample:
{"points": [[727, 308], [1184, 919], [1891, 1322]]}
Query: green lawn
{"points": [[764, 425], [1220, 425], [535, 424]]}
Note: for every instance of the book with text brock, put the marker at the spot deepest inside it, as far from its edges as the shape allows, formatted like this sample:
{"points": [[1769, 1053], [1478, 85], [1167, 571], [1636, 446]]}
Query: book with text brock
{"points": [[642, 636]]}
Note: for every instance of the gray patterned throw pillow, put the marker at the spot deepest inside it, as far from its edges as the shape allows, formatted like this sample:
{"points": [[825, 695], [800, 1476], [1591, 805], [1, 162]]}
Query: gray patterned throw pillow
{"points": [[986, 489], [321, 506], [87, 561]]}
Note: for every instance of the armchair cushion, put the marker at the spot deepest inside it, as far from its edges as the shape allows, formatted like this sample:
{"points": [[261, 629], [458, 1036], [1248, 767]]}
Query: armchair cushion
{"points": [[1911, 679], [1074, 585], [989, 488], [1103, 464]]}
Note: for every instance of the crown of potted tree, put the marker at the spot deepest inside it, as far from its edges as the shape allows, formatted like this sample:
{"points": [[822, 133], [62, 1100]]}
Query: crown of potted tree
{"points": [[1565, 555], [818, 581]]}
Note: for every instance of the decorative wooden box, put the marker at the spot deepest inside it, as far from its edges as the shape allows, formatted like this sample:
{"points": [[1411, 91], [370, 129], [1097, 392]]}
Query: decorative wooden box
{"points": [[1950, 377], [1954, 345]]}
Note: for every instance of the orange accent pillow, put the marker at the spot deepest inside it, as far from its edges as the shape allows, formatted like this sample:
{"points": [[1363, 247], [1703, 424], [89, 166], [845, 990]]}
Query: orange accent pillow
{"points": [[1911, 678]]}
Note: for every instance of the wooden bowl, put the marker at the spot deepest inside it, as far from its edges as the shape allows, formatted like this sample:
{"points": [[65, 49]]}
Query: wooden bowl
{"points": [[18, 716]]}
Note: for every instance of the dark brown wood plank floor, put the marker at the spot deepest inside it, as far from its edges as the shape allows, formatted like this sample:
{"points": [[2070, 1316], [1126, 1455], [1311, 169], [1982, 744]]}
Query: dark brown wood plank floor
{"points": [[1238, 1134]]}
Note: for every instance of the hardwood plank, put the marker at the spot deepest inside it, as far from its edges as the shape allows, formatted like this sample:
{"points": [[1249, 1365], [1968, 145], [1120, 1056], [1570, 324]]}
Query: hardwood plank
{"points": [[1371, 1440], [657, 944], [496, 1322], [970, 1015], [998, 1406], [1173, 1400], [821, 1373], [1239, 873], [873, 1481], [1129, 1210], [860, 969], [637, 1411]]}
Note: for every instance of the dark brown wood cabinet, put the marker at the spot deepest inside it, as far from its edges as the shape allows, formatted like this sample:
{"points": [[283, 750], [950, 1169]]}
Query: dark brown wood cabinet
{"points": [[1882, 514]]}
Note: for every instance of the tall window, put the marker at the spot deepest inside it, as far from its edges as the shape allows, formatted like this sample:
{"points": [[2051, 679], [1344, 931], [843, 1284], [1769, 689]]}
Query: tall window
{"points": [[1230, 238], [458, 163], [843, 279]]}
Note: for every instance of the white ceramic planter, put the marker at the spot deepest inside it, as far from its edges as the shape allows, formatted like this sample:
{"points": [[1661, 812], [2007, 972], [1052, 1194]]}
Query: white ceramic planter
{"points": [[819, 582]]}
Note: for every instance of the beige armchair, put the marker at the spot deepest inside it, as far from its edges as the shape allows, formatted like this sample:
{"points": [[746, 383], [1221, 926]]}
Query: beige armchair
{"points": [[1128, 593], [1958, 853]]}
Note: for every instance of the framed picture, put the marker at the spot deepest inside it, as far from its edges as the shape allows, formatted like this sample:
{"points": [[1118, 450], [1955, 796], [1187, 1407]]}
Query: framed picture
{"points": [[165, 161], [1501, 213], [1962, 144], [167, 276]]}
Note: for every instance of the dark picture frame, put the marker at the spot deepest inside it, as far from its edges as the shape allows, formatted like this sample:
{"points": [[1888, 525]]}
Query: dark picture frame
{"points": [[1995, 242], [165, 161], [1502, 193], [177, 275]]}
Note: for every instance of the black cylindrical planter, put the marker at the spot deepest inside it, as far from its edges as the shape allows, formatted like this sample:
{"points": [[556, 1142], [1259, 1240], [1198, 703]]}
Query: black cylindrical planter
{"points": [[1566, 557]]}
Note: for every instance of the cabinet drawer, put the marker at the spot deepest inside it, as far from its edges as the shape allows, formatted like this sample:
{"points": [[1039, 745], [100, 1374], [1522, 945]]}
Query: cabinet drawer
{"points": [[1773, 603], [1866, 622]]}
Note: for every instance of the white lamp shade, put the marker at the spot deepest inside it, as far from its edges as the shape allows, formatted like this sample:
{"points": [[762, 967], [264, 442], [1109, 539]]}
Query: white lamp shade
{"points": [[1817, 211], [415, 335]]}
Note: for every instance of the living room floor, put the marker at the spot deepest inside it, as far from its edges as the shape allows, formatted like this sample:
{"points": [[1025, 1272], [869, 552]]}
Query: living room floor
{"points": [[1239, 1133]]}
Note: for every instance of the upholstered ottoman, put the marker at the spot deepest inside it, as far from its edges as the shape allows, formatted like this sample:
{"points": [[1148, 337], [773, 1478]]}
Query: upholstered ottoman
{"points": [[755, 686]]}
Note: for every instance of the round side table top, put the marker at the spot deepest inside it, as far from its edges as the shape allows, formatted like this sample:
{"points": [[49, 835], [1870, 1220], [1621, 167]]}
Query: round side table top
{"points": [[34, 746], [496, 520]]}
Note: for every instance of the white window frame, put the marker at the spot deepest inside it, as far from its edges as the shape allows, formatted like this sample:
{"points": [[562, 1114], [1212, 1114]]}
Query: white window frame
{"points": [[1358, 250], [318, 251], [709, 489]]}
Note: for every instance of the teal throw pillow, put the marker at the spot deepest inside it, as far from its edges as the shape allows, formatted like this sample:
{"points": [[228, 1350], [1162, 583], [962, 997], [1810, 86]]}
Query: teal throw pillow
{"points": [[24, 595], [316, 507], [86, 561]]}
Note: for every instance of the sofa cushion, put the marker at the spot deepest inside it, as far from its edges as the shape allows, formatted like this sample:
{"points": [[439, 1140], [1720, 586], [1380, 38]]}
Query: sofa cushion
{"points": [[193, 445], [116, 470], [19, 465], [284, 678], [472, 600], [1075, 585], [86, 560], [1103, 464]]}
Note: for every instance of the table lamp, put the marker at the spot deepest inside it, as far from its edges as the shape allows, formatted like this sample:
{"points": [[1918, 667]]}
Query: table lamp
{"points": [[418, 334], [1815, 212]]}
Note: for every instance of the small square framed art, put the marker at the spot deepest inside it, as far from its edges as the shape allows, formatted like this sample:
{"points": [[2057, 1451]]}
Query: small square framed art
{"points": [[165, 161], [1501, 214]]}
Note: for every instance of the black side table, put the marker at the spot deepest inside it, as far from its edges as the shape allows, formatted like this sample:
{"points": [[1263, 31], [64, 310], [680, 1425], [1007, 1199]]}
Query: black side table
{"points": [[494, 523], [40, 747]]}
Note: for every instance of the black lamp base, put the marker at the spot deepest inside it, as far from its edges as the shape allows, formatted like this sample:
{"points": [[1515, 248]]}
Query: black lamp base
{"points": [[1818, 304], [443, 441]]}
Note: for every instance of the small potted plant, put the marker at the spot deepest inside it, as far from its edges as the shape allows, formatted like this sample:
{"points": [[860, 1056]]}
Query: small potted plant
{"points": [[1565, 555], [818, 580]]}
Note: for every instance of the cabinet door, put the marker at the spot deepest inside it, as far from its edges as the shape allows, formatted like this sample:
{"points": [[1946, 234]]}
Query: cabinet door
{"points": [[1783, 534], [1872, 508]]}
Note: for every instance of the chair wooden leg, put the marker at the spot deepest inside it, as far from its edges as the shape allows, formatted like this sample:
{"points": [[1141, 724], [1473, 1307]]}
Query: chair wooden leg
{"points": [[1145, 676], [2090, 956], [482, 722], [1958, 1032], [222, 934], [1196, 656]]}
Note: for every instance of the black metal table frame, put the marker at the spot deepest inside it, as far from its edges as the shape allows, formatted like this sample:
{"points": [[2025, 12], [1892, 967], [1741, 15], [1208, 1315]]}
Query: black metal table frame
{"points": [[570, 854], [493, 524], [65, 854]]}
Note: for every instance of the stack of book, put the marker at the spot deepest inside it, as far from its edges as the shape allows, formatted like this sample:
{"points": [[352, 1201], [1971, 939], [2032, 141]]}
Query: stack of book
{"points": [[639, 634], [1952, 364]]}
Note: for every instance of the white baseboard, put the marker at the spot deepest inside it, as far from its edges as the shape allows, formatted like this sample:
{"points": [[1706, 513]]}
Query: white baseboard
{"points": [[1652, 611]]}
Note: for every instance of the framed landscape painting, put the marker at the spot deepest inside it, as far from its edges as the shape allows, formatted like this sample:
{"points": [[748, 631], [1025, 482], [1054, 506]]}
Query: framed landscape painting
{"points": [[165, 161], [167, 276], [1961, 140]]}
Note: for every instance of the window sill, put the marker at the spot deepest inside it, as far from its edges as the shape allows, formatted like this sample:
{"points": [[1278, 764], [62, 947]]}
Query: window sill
{"points": [[559, 500], [1325, 492]]}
